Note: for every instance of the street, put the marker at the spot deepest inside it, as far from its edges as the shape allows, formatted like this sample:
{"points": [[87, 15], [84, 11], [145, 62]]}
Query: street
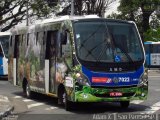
{"points": [[43, 105]]}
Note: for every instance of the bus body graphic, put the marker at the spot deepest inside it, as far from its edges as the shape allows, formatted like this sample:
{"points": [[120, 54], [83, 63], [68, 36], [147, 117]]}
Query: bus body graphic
{"points": [[79, 59]]}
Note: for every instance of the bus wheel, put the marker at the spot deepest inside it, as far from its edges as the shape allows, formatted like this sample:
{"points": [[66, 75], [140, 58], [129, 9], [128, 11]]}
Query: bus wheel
{"points": [[66, 102], [29, 93], [124, 104]]}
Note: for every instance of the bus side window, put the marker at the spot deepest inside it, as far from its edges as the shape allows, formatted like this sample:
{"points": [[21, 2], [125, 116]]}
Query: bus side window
{"points": [[21, 41], [51, 44], [11, 41], [1, 51], [16, 48], [37, 38], [64, 37]]}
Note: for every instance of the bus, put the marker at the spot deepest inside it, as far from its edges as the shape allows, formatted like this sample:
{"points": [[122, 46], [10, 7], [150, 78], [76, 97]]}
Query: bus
{"points": [[79, 59], [152, 50], [4, 46]]}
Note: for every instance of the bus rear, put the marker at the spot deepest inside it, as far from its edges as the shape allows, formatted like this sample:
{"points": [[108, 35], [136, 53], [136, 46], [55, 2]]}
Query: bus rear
{"points": [[152, 50], [4, 46]]}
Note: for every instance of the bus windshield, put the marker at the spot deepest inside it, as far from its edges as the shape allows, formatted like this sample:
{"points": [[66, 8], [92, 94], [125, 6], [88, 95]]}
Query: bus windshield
{"points": [[5, 44], [107, 41]]}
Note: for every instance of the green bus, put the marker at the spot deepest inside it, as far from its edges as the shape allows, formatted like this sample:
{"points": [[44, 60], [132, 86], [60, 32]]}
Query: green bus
{"points": [[79, 59]]}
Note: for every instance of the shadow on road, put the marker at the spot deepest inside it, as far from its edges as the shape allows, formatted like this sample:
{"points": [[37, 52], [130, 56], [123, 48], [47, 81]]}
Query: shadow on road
{"points": [[87, 108]]}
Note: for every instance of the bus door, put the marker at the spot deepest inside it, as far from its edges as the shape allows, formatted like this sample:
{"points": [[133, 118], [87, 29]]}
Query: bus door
{"points": [[16, 56], [51, 55]]}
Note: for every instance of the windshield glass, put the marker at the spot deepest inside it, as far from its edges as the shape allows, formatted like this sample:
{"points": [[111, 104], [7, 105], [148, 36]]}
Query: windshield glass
{"points": [[106, 41], [5, 44]]}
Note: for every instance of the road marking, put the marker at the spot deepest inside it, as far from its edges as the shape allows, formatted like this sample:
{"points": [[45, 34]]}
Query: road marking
{"points": [[51, 108], [27, 100], [137, 101], [155, 107], [18, 97], [34, 105], [3, 99], [157, 90]]}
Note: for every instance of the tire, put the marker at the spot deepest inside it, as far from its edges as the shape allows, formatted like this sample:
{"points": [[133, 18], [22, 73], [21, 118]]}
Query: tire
{"points": [[67, 104], [125, 104], [28, 92]]}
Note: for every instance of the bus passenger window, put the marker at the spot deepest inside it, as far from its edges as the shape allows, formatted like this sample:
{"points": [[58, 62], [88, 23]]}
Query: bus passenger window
{"points": [[11, 41], [1, 52]]}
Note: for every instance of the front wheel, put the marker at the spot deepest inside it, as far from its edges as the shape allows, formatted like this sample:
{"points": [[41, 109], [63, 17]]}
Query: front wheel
{"points": [[66, 102], [125, 104]]}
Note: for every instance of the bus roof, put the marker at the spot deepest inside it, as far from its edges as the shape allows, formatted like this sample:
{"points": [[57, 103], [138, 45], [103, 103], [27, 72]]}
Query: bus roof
{"points": [[4, 33], [151, 42], [67, 17], [22, 29]]}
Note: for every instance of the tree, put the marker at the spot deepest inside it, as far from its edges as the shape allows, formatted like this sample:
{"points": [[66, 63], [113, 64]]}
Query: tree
{"points": [[86, 7], [139, 11], [152, 35], [13, 12]]}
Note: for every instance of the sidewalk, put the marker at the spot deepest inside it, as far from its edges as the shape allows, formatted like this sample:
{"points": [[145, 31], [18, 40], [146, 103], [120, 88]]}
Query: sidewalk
{"points": [[5, 106]]}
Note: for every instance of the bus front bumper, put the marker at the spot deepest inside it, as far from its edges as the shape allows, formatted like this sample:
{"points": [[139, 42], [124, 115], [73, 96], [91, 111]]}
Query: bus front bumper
{"points": [[88, 94]]}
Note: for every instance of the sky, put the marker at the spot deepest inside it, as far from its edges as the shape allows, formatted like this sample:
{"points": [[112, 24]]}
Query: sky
{"points": [[112, 8]]}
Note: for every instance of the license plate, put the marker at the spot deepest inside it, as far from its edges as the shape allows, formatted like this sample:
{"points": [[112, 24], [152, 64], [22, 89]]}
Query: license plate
{"points": [[115, 94]]}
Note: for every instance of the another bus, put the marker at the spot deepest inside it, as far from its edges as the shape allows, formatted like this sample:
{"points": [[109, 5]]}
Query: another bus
{"points": [[4, 46], [79, 59], [152, 54]]}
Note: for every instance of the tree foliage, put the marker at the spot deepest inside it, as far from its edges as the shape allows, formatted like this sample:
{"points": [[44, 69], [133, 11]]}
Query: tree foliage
{"points": [[13, 12], [139, 11], [86, 7], [152, 35]]}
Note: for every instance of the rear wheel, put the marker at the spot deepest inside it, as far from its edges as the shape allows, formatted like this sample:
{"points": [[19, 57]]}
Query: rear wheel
{"points": [[28, 92], [125, 104]]}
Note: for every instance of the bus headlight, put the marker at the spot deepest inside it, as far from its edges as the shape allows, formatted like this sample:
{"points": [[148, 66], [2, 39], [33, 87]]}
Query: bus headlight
{"points": [[82, 79], [144, 79]]}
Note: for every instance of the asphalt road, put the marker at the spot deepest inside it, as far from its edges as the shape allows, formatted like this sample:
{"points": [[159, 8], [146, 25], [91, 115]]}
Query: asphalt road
{"points": [[46, 108]]}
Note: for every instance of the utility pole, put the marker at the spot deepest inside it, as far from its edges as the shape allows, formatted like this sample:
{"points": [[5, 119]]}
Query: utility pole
{"points": [[72, 7]]}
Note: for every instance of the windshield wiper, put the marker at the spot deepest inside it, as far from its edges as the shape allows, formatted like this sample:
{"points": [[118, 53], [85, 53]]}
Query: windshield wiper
{"points": [[85, 40], [90, 51]]}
